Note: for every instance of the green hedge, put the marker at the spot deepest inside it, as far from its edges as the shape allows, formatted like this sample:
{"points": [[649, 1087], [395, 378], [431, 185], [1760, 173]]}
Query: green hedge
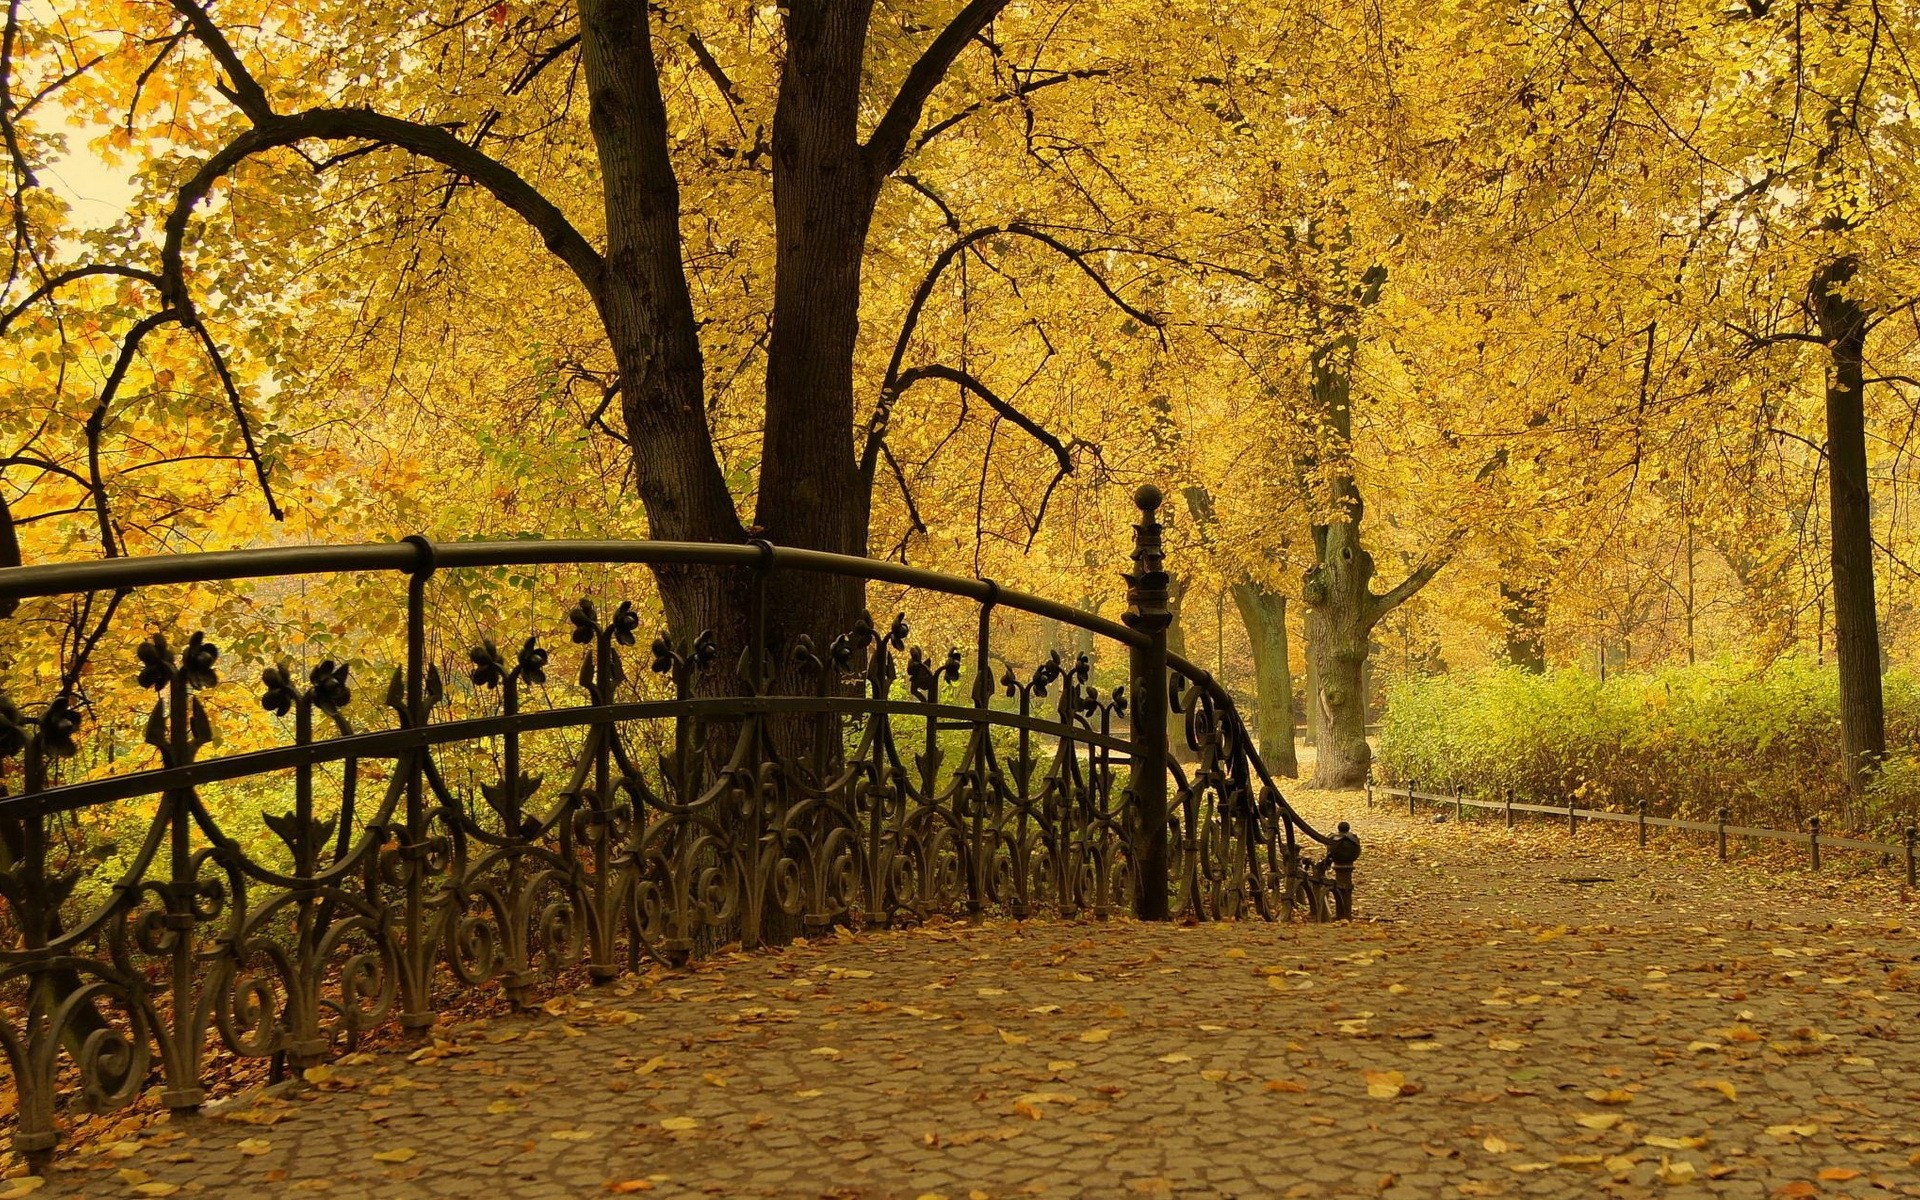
{"points": [[1687, 739]]}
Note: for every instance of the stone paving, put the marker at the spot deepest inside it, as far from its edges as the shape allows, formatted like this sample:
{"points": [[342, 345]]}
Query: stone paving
{"points": [[1513, 1016]]}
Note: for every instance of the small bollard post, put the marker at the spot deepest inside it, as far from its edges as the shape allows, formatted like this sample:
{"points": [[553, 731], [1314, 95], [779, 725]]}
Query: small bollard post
{"points": [[1412, 784], [1913, 840], [1643, 824], [1509, 792], [1723, 832], [1369, 789], [1572, 819], [1813, 840], [1459, 805]]}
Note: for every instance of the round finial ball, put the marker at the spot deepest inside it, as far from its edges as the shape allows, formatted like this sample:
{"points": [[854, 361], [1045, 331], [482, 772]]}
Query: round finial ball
{"points": [[1147, 497]]}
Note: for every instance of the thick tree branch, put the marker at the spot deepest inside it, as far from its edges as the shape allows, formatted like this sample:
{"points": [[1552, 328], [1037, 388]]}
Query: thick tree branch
{"points": [[427, 141], [1420, 577], [241, 87], [54, 282], [888, 143]]}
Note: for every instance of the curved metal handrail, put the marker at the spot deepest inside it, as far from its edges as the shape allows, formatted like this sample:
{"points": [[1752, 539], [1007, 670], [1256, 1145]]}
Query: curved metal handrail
{"points": [[417, 554], [722, 840]]}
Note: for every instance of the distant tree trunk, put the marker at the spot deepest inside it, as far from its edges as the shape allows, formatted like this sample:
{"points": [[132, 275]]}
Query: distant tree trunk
{"points": [[1264, 613], [1843, 323], [1342, 608], [1524, 609]]}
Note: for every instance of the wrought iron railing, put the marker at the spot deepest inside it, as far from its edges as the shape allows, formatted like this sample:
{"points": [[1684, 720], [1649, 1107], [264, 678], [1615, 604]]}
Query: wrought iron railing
{"points": [[356, 883]]}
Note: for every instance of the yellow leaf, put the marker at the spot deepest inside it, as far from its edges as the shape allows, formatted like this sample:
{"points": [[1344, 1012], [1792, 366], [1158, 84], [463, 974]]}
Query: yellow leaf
{"points": [[715, 1078], [824, 1052], [679, 1124], [1214, 1076], [1384, 1085], [626, 1187], [156, 1188], [1837, 1174], [252, 1147], [578, 1135], [16, 1188], [1176, 1057], [809, 1094], [1787, 1133], [1503, 1043], [1599, 1120], [1613, 1096], [1013, 1039], [398, 1155], [131, 1176], [1285, 1085], [1723, 1086], [1030, 1111], [1096, 1035], [1675, 1143], [1494, 1144], [319, 1074], [1676, 1172], [501, 1108]]}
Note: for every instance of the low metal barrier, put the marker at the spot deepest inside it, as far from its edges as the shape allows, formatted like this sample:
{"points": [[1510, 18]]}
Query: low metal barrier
{"points": [[1722, 828], [282, 902]]}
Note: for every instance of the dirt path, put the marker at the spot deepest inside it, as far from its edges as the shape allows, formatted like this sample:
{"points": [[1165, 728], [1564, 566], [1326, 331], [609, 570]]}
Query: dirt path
{"points": [[1490, 1027]]}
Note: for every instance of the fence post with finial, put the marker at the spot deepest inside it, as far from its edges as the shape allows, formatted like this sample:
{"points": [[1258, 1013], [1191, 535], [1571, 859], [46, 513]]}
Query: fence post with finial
{"points": [[1813, 841], [1148, 613], [1722, 831]]}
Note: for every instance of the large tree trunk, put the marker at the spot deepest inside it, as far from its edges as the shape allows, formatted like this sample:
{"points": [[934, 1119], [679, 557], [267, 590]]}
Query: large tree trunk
{"points": [[1264, 613], [1843, 323], [1340, 621], [650, 323]]}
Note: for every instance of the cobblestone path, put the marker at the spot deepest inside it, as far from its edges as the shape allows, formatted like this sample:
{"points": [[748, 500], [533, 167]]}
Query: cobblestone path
{"points": [[1512, 1017]]}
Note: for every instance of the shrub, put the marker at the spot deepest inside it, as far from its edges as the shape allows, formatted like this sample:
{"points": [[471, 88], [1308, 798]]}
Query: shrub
{"points": [[1765, 742]]}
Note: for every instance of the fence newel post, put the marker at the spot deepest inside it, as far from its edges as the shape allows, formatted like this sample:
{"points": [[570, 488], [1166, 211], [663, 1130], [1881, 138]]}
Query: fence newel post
{"points": [[1724, 814], [1413, 785], [1148, 613], [1459, 804], [1572, 819], [1643, 824], [1509, 797], [1813, 841], [1369, 789], [1913, 843]]}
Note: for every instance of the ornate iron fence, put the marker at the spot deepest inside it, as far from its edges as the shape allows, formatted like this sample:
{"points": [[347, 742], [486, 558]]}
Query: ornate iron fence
{"points": [[387, 885]]}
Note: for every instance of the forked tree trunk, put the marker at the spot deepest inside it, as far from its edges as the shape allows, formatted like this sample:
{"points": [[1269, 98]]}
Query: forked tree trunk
{"points": [[1843, 323], [1342, 608], [1264, 613]]}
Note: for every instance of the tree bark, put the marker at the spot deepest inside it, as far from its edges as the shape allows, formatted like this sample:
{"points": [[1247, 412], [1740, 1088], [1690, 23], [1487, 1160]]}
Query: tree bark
{"points": [[1264, 613], [1342, 608], [1843, 322], [1524, 609]]}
